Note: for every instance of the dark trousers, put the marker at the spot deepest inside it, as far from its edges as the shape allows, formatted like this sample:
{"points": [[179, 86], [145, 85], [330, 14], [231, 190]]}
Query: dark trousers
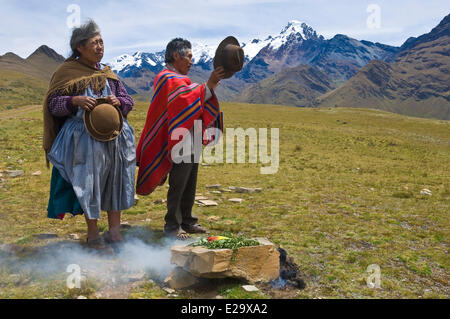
{"points": [[181, 196]]}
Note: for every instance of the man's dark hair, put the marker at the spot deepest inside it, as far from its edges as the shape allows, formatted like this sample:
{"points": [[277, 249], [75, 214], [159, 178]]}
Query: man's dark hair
{"points": [[178, 45]]}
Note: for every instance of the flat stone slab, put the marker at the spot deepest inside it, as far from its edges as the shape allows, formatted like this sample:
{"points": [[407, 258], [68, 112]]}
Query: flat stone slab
{"points": [[207, 202], [15, 173], [215, 186], [46, 236], [180, 279], [245, 189], [253, 263]]}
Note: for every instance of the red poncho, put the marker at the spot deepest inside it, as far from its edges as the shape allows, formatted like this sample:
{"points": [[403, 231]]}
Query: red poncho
{"points": [[176, 103]]}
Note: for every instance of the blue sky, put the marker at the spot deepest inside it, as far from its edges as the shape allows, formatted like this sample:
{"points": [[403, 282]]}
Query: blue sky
{"points": [[138, 25]]}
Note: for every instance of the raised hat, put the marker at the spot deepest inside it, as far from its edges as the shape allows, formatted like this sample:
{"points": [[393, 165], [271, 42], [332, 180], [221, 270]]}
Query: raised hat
{"points": [[105, 122], [230, 56]]}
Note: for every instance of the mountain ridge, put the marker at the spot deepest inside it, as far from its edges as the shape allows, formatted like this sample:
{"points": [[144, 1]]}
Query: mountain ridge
{"points": [[417, 83]]}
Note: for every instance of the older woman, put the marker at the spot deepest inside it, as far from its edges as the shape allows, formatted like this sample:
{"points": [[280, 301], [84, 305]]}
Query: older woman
{"points": [[88, 175]]}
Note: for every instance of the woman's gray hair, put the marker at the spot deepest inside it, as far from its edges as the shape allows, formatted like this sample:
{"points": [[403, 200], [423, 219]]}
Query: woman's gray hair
{"points": [[181, 46], [80, 36]]}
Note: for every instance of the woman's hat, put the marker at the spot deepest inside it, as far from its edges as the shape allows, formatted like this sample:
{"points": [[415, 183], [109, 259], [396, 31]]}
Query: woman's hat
{"points": [[105, 122], [230, 56]]}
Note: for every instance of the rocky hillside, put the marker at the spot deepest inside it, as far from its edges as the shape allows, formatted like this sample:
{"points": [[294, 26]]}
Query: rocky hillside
{"points": [[417, 83], [40, 64], [298, 86], [297, 44]]}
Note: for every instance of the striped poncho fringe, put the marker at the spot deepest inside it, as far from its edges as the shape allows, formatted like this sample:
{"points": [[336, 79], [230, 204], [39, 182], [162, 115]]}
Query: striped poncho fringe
{"points": [[176, 103]]}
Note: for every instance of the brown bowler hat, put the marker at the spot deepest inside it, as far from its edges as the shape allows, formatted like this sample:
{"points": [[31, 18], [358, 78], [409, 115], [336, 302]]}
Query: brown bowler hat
{"points": [[230, 56], [105, 122]]}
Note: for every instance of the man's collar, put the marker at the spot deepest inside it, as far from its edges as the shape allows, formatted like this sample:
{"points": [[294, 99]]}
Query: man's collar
{"points": [[172, 68]]}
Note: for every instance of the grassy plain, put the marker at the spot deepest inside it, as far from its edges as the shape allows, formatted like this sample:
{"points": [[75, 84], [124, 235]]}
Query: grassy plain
{"points": [[347, 195], [17, 89]]}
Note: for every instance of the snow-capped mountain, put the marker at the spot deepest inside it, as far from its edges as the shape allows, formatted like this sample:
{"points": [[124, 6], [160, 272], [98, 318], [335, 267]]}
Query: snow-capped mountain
{"points": [[126, 62], [252, 48], [297, 44], [204, 54], [294, 32]]}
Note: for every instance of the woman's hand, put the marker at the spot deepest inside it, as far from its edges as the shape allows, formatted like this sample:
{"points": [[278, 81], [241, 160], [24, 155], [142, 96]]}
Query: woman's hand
{"points": [[216, 75], [113, 100], [85, 102]]}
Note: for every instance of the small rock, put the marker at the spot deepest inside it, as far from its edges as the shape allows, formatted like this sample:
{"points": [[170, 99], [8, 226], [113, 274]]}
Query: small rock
{"points": [[169, 290], [136, 199], [37, 173], [74, 236], [137, 276], [219, 297], [159, 201], [208, 203], [406, 225], [46, 236], [236, 200], [148, 220], [82, 297], [214, 218], [215, 186], [247, 190], [20, 161], [425, 191], [15, 173], [216, 192], [200, 197], [250, 288]]}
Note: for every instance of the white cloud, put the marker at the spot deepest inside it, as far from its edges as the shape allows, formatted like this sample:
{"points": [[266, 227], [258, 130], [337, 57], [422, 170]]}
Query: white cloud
{"points": [[129, 26]]}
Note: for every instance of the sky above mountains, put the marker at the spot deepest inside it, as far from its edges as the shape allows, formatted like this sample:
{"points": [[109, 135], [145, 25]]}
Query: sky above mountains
{"points": [[137, 25]]}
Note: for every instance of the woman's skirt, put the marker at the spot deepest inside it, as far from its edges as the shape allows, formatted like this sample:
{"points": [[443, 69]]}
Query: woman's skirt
{"points": [[101, 173]]}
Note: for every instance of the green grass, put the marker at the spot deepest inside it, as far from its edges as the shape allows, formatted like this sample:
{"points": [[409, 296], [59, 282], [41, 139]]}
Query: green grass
{"points": [[18, 89], [346, 196]]}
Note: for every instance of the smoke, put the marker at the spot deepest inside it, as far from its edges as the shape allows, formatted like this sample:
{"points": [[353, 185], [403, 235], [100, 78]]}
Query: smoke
{"points": [[138, 257]]}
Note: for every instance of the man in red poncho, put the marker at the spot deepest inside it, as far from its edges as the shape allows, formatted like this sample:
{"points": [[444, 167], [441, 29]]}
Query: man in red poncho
{"points": [[178, 108]]}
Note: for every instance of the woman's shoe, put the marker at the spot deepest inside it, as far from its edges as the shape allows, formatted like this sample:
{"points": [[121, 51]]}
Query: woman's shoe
{"points": [[99, 245], [108, 238], [115, 244]]}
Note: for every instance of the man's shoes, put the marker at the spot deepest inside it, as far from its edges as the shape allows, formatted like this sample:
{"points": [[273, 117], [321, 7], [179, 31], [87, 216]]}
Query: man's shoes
{"points": [[195, 229]]}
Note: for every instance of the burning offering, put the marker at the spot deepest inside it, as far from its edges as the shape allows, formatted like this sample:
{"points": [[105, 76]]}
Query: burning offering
{"points": [[223, 242], [254, 260]]}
